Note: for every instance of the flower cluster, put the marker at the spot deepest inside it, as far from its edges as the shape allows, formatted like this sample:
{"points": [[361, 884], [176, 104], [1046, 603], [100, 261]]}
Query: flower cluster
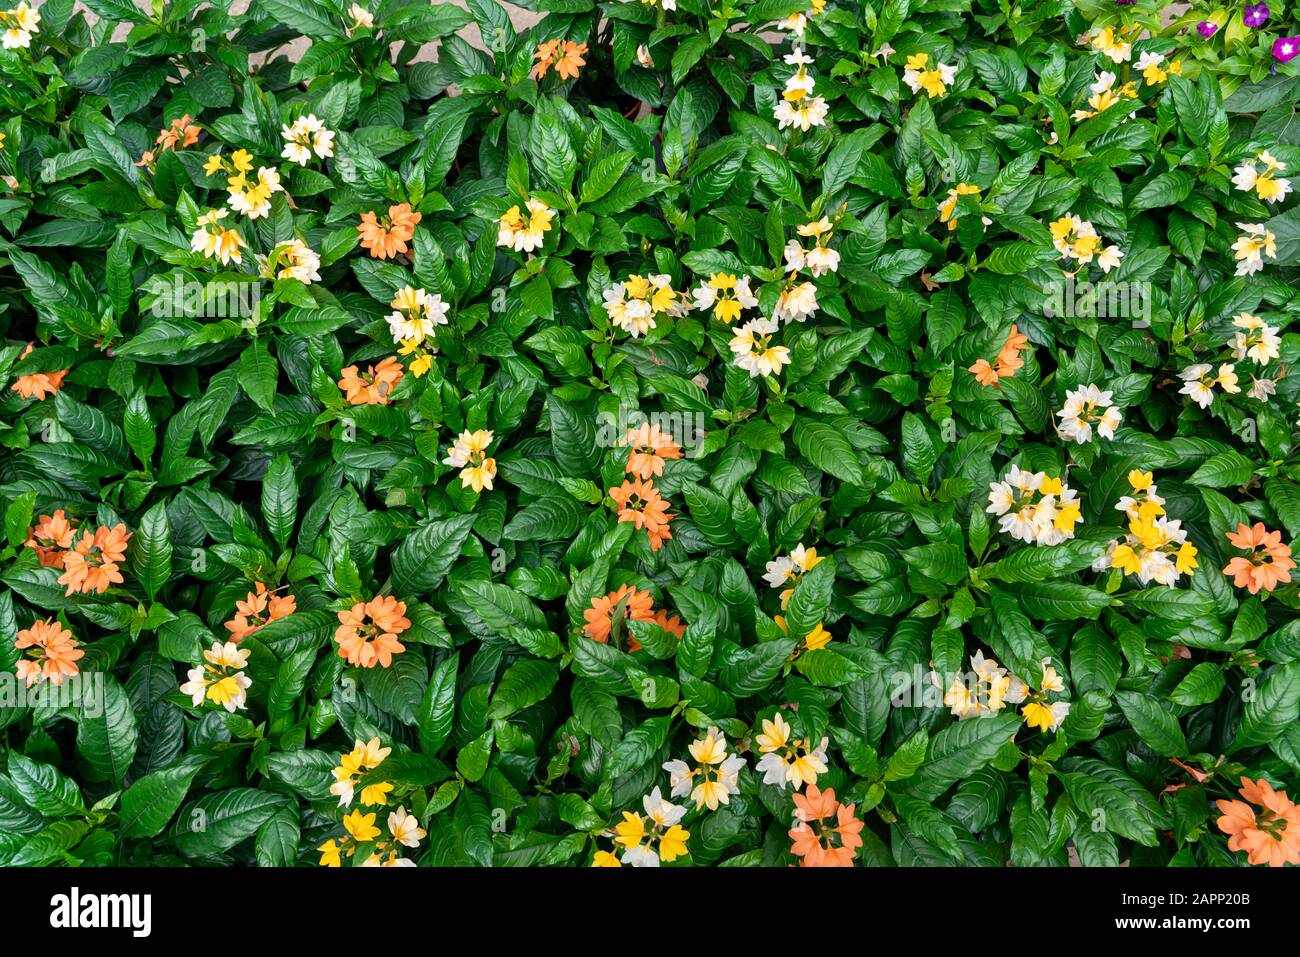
{"points": [[1034, 507], [261, 607], [92, 564], [633, 304], [1267, 562], [1006, 364], [469, 454], [525, 231], [221, 679], [919, 75], [368, 630], [798, 107], [48, 652]]}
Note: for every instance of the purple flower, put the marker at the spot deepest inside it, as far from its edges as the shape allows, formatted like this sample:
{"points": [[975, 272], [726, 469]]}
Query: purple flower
{"points": [[1256, 16], [1125, 3], [1207, 29], [1285, 49]]}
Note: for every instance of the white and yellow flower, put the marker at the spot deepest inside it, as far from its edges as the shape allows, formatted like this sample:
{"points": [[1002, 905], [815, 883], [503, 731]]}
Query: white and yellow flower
{"points": [[633, 304], [1268, 186], [221, 680], [726, 295], [306, 135], [1199, 381], [469, 454], [1085, 408], [296, 260], [1034, 507], [1257, 339], [214, 240], [1104, 94], [796, 762], [753, 350], [714, 778], [524, 231], [920, 75], [254, 199], [1256, 242], [1154, 69], [19, 24], [798, 107], [1077, 239]]}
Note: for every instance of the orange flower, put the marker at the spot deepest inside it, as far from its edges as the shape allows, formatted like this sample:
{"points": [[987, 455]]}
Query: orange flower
{"points": [[822, 844], [565, 56], [639, 502], [387, 237], [51, 537], [38, 384], [650, 448], [92, 564], [260, 608], [1268, 564], [181, 134], [1270, 836], [669, 623], [374, 385], [634, 605], [1008, 360], [52, 653], [375, 642]]}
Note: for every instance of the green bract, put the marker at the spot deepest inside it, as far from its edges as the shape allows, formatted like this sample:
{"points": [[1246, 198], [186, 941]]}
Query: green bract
{"points": [[432, 439]]}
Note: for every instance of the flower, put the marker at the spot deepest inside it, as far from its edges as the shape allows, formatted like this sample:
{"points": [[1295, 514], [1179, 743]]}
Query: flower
{"points": [[49, 650], [19, 24], [361, 17], [254, 200], [1109, 42], [716, 770], [38, 385], [361, 827], [1285, 49], [179, 134], [1034, 507], [650, 448], [726, 296], [797, 762], [1207, 28], [214, 240], [1144, 502], [1007, 362], [753, 351], [1270, 835], [1155, 549], [92, 565], [374, 642], [1255, 242], [798, 22], [645, 841], [405, 828], [1083, 407], [1199, 381], [643, 57], [469, 454], [1255, 15], [948, 208], [1259, 340], [640, 503], [297, 261], [51, 537], [387, 237], [222, 680], [374, 385], [820, 259], [788, 569], [632, 305], [1149, 65], [1268, 563], [564, 55], [525, 235], [797, 106], [980, 692], [305, 136], [1076, 239], [259, 608], [918, 75], [416, 314], [1104, 95], [796, 301], [828, 833], [1266, 184], [608, 612], [364, 756]]}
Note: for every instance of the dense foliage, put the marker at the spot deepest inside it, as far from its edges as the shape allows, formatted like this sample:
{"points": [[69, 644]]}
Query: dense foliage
{"points": [[847, 432]]}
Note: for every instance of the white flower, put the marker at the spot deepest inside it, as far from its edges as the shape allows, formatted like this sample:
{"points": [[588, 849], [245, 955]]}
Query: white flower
{"points": [[778, 571], [306, 136], [1256, 242], [1258, 340], [1109, 258], [1085, 407], [752, 348], [19, 23], [405, 828], [1269, 187], [796, 302], [1198, 383], [297, 261], [361, 17], [644, 58], [663, 813]]}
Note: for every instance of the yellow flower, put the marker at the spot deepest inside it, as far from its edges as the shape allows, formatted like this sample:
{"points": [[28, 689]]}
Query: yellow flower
{"points": [[817, 639], [1185, 559], [949, 206], [361, 826], [605, 859], [1038, 716], [329, 854], [672, 844], [1140, 481], [631, 830], [774, 736], [376, 793]]}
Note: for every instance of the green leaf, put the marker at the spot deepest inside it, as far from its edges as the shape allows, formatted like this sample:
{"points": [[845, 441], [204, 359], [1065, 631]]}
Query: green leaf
{"points": [[149, 803]]}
